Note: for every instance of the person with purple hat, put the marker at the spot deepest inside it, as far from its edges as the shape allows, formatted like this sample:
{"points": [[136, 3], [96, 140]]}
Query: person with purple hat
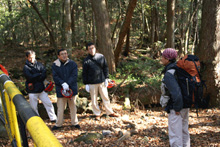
{"points": [[65, 75], [171, 99]]}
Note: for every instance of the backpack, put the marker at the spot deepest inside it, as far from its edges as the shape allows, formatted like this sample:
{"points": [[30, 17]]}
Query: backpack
{"points": [[190, 81]]}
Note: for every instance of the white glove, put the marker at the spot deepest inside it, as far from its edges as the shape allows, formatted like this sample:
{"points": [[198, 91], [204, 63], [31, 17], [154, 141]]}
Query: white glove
{"points": [[106, 82], [87, 88], [164, 100], [65, 86]]}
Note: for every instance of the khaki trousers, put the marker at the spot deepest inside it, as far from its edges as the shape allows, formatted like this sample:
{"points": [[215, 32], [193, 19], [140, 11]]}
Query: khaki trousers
{"points": [[101, 89], [61, 105]]}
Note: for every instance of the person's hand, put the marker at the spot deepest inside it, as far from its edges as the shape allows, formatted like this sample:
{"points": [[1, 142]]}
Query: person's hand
{"points": [[65, 86], [106, 82], [87, 88], [177, 113]]}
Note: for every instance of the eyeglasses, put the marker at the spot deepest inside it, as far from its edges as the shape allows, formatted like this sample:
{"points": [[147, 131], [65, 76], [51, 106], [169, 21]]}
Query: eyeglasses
{"points": [[62, 54]]}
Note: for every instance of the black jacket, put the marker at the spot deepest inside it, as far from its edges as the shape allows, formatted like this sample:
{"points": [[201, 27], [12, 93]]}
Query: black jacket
{"points": [[95, 69], [36, 74]]}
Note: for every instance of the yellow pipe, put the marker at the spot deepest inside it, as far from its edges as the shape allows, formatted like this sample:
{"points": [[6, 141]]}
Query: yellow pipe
{"points": [[8, 106], [7, 126], [15, 123], [41, 134], [11, 89]]}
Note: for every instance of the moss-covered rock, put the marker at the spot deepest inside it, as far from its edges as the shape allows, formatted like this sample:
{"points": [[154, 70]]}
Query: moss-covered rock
{"points": [[88, 137]]}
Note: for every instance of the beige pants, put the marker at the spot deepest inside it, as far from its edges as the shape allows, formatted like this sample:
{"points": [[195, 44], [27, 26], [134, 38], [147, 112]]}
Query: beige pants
{"points": [[178, 128], [101, 89], [61, 105]]}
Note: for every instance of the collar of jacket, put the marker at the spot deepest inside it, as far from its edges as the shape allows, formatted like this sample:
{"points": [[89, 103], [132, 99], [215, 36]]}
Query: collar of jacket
{"points": [[58, 62], [90, 56], [167, 67], [30, 64]]}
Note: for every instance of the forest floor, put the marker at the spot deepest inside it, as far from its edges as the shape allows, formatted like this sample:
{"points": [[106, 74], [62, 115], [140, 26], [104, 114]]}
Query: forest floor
{"points": [[148, 127]]}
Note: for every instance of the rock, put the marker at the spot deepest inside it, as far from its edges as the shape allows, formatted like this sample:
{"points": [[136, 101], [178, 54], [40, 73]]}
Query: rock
{"points": [[146, 139], [81, 104], [106, 132], [88, 137], [127, 104]]}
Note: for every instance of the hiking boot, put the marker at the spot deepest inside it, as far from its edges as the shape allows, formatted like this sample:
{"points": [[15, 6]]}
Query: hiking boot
{"points": [[77, 126], [114, 115], [55, 128], [97, 117], [53, 121]]}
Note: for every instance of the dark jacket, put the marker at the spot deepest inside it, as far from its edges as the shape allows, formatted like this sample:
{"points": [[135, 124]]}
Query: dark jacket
{"points": [[36, 74], [65, 72], [175, 102], [95, 69]]}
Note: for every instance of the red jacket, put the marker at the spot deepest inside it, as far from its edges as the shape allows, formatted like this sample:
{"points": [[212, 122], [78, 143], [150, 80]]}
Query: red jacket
{"points": [[3, 69]]}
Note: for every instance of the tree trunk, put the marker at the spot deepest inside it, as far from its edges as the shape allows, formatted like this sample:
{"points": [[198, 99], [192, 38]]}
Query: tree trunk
{"points": [[49, 20], [127, 46], [154, 24], [67, 25], [195, 27], [11, 32], [143, 24], [117, 25], [170, 23], [124, 29], [85, 19], [73, 23], [93, 29], [209, 47], [103, 32]]}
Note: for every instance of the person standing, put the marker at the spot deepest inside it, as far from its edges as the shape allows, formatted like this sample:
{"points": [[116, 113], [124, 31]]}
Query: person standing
{"points": [[172, 100], [65, 74], [95, 77], [35, 74]]}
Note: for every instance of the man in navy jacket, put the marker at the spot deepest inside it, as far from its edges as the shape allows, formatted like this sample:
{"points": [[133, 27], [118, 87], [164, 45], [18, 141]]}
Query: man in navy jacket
{"points": [[35, 74], [65, 74]]}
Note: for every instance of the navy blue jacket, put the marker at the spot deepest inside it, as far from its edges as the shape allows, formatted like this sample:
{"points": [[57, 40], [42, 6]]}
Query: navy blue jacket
{"points": [[65, 72], [36, 74], [175, 102], [95, 69]]}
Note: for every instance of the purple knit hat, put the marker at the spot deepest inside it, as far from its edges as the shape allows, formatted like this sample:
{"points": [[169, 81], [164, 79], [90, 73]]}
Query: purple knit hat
{"points": [[169, 53]]}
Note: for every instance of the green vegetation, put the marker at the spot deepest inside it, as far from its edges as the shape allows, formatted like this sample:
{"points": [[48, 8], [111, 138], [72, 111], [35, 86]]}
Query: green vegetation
{"points": [[142, 71]]}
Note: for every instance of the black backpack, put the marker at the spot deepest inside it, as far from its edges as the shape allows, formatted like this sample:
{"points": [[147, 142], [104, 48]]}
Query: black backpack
{"points": [[190, 81]]}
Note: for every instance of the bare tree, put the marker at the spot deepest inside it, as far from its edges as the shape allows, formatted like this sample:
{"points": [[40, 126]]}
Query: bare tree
{"points": [[103, 32], [67, 26], [170, 23], [124, 29], [209, 48]]}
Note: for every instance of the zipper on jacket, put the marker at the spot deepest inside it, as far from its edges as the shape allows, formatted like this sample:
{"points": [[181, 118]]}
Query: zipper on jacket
{"points": [[187, 84]]}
